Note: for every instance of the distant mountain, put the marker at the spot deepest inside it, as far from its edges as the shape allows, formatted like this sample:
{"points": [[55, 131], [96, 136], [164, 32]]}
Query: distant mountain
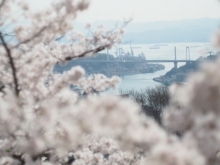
{"points": [[170, 36], [186, 30]]}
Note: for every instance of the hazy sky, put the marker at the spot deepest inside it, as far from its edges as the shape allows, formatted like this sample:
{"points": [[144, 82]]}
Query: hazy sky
{"points": [[146, 10]]}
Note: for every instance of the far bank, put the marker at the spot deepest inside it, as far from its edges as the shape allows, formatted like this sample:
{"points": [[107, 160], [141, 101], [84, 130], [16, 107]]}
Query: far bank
{"points": [[115, 68]]}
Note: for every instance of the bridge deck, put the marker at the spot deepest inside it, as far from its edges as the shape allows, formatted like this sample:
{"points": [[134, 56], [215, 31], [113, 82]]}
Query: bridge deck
{"points": [[143, 61]]}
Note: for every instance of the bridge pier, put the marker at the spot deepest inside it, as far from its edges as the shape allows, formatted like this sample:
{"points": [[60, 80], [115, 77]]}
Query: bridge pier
{"points": [[108, 70], [121, 69], [175, 65]]}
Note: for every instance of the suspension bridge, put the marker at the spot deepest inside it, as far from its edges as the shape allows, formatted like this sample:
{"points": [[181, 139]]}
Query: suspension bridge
{"points": [[122, 62]]}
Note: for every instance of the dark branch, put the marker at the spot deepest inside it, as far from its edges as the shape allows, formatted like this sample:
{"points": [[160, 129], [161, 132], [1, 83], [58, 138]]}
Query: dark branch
{"points": [[11, 62], [19, 158], [94, 51], [2, 3], [2, 87], [39, 156], [59, 38], [98, 49]]}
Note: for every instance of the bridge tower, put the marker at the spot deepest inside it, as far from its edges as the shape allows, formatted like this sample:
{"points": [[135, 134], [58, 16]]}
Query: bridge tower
{"points": [[121, 66], [187, 53], [175, 62]]}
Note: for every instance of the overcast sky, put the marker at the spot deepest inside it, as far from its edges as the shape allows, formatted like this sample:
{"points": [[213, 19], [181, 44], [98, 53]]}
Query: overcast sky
{"points": [[146, 10]]}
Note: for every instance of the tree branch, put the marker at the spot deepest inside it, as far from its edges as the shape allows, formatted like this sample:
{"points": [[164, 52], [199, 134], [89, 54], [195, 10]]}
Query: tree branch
{"points": [[2, 3], [96, 50], [2, 87], [40, 155], [19, 158], [11, 62]]}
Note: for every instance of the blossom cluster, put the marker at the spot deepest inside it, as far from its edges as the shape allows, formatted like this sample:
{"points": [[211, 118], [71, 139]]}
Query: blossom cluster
{"points": [[195, 110], [43, 122]]}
